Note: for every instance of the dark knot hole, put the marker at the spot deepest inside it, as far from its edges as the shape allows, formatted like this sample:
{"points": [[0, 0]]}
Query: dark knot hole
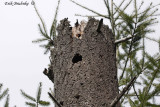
{"points": [[77, 96], [77, 57]]}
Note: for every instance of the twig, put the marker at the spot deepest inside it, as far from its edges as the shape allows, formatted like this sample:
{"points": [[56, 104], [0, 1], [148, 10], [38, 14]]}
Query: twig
{"points": [[151, 39], [116, 100], [43, 24], [54, 99], [89, 9], [87, 15], [122, 40], [129, 52], [135, 92]]}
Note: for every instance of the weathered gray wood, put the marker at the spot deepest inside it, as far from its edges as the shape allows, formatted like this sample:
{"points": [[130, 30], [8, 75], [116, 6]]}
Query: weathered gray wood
{"points": [[85, 73]]}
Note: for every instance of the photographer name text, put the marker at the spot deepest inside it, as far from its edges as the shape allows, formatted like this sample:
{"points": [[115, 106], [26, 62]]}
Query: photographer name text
{"points": [[21, 3]]}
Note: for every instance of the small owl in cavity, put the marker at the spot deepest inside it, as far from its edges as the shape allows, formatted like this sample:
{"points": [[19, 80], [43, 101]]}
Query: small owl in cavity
{"points": [[78, 29]]}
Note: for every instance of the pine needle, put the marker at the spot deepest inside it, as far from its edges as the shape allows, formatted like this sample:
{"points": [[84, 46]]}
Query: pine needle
{"points": [[39, 92], [30, 104], [27, 96], [44, 103]]}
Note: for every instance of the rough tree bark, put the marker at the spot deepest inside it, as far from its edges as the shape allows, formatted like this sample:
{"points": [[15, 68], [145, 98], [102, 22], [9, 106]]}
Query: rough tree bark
{"points": [[85, 73]]}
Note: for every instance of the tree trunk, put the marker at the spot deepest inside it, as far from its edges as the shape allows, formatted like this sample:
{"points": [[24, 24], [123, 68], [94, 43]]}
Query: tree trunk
{"points": [[85, 73]]}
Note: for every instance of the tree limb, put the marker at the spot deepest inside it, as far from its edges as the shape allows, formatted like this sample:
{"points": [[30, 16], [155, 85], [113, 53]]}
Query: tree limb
{"points": [[90, 10], [129, 37], [116, 100], [54, 99], [122, 40]]}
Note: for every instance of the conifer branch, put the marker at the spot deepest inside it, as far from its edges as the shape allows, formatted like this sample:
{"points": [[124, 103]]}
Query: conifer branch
{"points": [[106, 4], [123, 40], [152, 39], [135, 92], [116, 100], [112, 19], [129, 52], [119, 7], [39, 92], [108, 8], [149, 8], [141, 5], [1, 86], [135, 9], [87, 15], [30, 104], [39, 40], [43, 33], [90, 9], [44, 103], [4, 93], [36, 101], [7, 102], [125, 7], [151, 82], [27, 96], [43, 24], [50, 95], [154, 74], [53, 27]]}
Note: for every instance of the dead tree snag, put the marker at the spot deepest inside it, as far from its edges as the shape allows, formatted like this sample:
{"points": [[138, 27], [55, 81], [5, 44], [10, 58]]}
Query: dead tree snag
{"points": [[85, 73]]}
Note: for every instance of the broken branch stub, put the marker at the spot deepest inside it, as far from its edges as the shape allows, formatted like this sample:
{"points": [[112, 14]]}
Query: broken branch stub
{"points": [[85, 73]]}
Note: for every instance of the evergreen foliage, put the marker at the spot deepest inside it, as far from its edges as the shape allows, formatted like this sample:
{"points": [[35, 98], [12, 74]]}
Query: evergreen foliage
{"points": [[7, 102], [3, 94], [43, 31], [35, 102], [137, 25], [52, 93]]}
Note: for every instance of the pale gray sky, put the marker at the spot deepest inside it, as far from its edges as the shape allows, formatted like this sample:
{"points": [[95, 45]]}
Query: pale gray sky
{"points": [[21, 61]]}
